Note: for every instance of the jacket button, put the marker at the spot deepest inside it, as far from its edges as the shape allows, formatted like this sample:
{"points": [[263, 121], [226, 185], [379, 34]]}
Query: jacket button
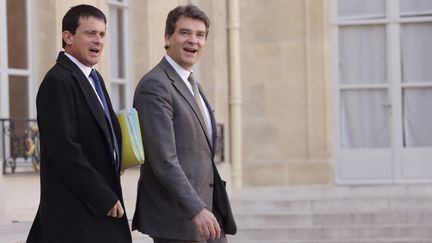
{"points": [[211, 185]]}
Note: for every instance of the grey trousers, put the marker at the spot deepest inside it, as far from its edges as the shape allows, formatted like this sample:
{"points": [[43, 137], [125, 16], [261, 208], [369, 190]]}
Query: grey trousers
{"points": [[222, 239]]}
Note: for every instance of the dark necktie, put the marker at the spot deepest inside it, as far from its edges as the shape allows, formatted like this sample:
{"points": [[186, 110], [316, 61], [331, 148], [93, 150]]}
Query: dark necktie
{"points": [[197, 97], [101, 95]]}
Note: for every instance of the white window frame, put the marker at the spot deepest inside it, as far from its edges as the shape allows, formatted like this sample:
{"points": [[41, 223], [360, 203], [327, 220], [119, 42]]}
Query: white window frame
{"points": [[396, 152], [128, 61], [5, 71]]}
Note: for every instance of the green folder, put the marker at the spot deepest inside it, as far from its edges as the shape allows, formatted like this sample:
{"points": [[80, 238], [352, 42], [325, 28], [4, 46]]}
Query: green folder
{"points": [[132, 147]]}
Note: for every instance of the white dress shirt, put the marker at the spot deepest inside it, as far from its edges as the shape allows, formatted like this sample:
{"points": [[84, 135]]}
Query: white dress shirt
{"points": [[184, 74], [86, 71]]}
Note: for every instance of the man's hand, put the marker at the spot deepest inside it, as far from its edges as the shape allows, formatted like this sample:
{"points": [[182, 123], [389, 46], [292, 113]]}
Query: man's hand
{"points": [[117, 211], [207, 224]]}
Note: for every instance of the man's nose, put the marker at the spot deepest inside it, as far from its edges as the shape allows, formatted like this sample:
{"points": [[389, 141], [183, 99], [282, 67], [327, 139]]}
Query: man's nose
{"points": [[193, 38], [99, 39]]}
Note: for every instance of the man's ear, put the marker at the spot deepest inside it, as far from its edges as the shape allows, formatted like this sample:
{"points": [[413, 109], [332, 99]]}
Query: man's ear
{"points": [[167, 41], [67, 37]]}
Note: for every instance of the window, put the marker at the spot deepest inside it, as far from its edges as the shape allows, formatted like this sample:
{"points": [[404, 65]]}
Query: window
{"points": [[383, 90], [16, 91], [364, 9], [369, 33], [117, 47], [416, 72]]}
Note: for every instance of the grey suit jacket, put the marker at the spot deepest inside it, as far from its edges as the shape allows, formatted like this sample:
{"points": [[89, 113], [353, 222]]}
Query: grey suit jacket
{"points": [[177, 179]]}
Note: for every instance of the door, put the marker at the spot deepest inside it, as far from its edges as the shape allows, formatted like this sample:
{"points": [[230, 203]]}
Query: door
{"points": [[383, 91], [416, 93]]}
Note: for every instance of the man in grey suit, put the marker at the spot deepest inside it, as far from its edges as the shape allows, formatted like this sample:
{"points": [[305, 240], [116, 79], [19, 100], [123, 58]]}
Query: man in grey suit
{"points": [[181, 197]]}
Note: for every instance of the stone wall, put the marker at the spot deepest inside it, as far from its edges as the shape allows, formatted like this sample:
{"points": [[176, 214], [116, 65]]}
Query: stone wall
{"points": [[286, 106]]}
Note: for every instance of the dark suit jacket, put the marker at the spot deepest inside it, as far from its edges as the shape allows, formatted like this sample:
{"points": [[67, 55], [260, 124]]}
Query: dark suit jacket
{"points": [[79, 183], [178, 177]]}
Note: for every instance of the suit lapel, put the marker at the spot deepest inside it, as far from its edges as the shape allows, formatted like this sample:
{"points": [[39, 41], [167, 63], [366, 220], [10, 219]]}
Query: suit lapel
{"points": [[212, 120], [89, 95], [184, 91]]}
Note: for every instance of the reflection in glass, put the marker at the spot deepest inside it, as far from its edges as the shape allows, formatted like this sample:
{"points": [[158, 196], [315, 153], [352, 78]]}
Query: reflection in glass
{"points": [[417, 117], [364, 9], [416, 52], [17, 33], [362, 55], [18, 97], [413, 8], [116, 43], [117, 96], [364, 119]]}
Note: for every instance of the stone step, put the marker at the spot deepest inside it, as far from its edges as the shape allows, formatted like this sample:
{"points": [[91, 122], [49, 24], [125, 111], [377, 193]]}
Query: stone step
{"points": [[333, 192], [366, 204], [334, 219], [334, 214], [334, 233]]}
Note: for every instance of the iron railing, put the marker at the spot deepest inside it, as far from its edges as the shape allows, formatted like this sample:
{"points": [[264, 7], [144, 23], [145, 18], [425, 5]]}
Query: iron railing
{"points": [[20, 144]]}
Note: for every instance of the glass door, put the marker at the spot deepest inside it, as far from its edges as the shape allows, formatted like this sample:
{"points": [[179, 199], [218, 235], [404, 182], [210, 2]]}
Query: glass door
{"points": [[364, 104], [416, 91], [383, 90]]}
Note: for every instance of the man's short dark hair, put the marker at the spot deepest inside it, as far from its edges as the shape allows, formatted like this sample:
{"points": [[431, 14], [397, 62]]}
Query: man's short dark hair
{"points": [[72, 17], [190, 11]]}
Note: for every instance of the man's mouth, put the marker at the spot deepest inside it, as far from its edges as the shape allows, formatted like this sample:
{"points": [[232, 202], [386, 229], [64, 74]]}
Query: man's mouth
{"points": [[95, 51], [191, 50]]}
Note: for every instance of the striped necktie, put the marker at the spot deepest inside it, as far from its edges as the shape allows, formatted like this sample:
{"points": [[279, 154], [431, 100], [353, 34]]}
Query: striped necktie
{"points": [[197, 97]]}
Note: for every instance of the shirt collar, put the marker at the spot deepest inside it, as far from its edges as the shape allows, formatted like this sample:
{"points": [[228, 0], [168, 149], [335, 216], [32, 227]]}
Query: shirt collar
{"points": [[85, 69], [184, 74]]}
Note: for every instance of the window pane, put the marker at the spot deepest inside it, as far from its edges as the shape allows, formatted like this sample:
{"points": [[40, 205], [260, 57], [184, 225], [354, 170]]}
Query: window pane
{"points": [[415, 7], [416, 52], [364, 119], [417, 115], [17, 33], [116, 43], [18, 97], [118, 96], [362, 55], [364, 9]]}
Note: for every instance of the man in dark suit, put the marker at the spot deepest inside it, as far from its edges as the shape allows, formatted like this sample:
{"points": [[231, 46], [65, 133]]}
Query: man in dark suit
{"points": [[181, 197], [81, 198]]}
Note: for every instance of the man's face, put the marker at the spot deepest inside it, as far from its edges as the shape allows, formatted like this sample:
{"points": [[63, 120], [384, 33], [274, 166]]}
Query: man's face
{"points": [[187, 42], [87, 43]]}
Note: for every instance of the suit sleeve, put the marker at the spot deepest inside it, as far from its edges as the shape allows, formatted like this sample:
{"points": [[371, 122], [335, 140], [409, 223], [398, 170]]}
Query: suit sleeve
{"points": [[154, 104], [58, 126]]}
